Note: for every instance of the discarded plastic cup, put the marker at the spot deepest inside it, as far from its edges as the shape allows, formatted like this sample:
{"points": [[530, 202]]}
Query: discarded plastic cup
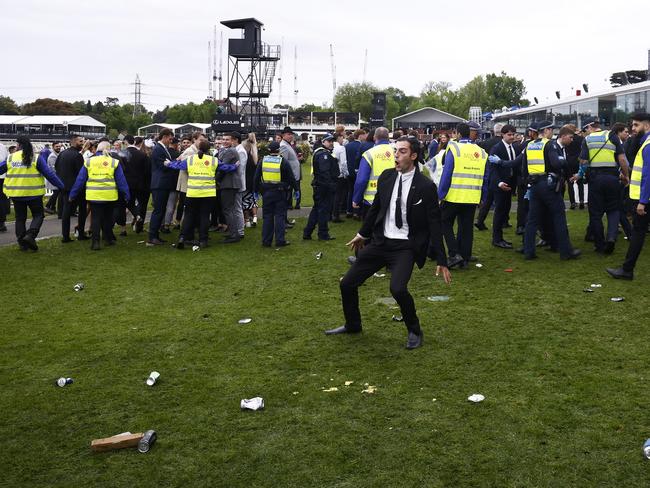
{"points": [[476, 398], [646, 449], [244, 321], [379, 275], [617, 299], [398, 318], [78, 286], [256, 403], [147, 442], [479, 265], [195, 248], [596, 285], [588, 290], [64, 382], [153, 377], [319, 255], [438, 298]]}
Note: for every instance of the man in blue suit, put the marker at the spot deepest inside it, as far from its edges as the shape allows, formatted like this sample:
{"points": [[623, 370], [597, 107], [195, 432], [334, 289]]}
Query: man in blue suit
{"points": [[502, 183], [163, 181]]}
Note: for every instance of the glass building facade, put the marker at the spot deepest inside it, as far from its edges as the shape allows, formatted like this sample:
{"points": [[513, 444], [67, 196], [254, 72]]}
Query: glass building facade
{"points": [[615, 105]]}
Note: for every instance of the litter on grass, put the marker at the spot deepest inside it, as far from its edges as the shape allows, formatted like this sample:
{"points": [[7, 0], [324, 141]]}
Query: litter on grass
{"points": [[508, 270], [379, 275], [334, 388], [245, 321], [348, 383], [617, 299], [388, 301], [438, 298], [588, 290], [476, 398], [319, 255], [369, 389], [596, 285], [153, 377], [78, 286], [195, 248], [479, 265], [398, 318], [256, 403]]}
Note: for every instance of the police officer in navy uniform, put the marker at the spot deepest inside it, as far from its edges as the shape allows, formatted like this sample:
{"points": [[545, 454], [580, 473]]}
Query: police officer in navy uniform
{"points": [[326, 172], [543, 165], [274, 179], [603, 152]]}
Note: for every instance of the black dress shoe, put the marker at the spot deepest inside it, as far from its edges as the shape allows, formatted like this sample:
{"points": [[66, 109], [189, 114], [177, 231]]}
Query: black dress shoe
{"points": [[231, 240], [609, 247], [30, 242], [95, 246], [530, 257], [480, 226], [328, 238], [83, 237], [266, 244], [414, 340], [572, 255], [502, 245], [473, 259], [455, 261], [341, 330], [180, 244], [65, 240], [620, 273], [165, 230], [306, 238], [155, 242], [283, 244], [520, 231]]}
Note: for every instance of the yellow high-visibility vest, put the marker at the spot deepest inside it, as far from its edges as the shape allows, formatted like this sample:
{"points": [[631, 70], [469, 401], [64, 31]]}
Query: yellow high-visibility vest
{"points": [[201, 181], [271, 169], [469, 168], [635, 180], [535, 156], [602, 153], [380, 158], [101, 186], [22, 180]]}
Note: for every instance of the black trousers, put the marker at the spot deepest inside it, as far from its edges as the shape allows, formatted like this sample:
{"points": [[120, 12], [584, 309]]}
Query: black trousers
{"points": [[460, 243], [604, 198], [487, 205], [54, 200], [35, 206], [581, 191], [398, 256], [68, 209], [102, 220], [502, 204], [138, 203], [639, 231], [351, 180], [320, 213], [5, 204], [197, 214], [340, 198], [181, 205], [522, 203], [160, 198]]}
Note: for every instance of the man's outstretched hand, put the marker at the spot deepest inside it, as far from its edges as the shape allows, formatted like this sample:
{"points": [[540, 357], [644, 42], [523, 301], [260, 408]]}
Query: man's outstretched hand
{"points": [[357, 243], [446, 275]]}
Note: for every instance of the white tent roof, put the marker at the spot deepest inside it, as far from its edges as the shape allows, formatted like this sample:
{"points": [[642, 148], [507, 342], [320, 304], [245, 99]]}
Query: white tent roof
{"points": [[166, 126], [196, 125], [83, 120], [11, 119], [428, 115]]}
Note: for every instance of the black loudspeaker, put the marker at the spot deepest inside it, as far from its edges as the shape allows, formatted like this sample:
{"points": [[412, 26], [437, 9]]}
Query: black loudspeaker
{"points": [[377, 119]]}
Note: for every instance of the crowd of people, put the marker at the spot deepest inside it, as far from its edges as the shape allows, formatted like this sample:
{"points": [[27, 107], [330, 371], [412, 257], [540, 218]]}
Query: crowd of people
{"points": [[197, 185]]}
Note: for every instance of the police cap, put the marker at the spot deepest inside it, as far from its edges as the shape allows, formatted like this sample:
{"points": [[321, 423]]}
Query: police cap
{"points": [[545, 124], [589, 121], [474, 126], [328, 137], [274, 146]]}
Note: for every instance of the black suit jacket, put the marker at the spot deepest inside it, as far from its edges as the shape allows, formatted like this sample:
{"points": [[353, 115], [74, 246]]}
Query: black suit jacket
{"points": [[422, 216], [499, 173], [67, 166], [137, 169]]}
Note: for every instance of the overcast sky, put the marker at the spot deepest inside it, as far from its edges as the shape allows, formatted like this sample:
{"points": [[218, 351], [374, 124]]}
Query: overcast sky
{"points": [[92, 49]]}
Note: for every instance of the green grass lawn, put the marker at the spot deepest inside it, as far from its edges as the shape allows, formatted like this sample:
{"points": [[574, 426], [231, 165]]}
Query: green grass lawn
{"points": [[562, 370]]}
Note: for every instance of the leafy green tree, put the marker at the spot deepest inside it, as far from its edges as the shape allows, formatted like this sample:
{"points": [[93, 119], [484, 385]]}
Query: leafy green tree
{"points": [[48, 106], [8, 106], [355, 97], [310, 107]]}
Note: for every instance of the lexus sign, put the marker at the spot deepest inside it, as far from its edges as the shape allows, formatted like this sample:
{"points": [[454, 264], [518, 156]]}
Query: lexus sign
{"points": [[226, 122]]}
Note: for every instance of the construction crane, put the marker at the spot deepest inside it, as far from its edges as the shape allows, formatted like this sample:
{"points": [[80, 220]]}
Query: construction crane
{"points": [[214, 66], [280, 73], [365, 65], [220, 64], [295, 77], [209, 69], [333, 73]]}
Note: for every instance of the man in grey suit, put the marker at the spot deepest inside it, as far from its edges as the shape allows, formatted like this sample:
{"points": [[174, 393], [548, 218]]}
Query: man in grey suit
{"points": [[289, 155], [230, 184]]}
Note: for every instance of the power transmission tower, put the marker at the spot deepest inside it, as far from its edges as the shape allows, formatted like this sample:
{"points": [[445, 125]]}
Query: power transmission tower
{"points": [[214, 66], [295, 77], [333, 74], [137, 94]]}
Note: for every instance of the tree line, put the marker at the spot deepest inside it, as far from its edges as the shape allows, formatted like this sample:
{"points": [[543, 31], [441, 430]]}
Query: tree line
{"points": [[490, 91]]}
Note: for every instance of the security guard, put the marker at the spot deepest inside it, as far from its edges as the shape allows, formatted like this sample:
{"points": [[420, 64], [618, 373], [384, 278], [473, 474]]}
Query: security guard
{"points": [[201, 193], [25, 185], [640, 194], [463, 185], [103, 177], [326, 171], [373, 163], [274, 179], [543, 167], [604, 155]]}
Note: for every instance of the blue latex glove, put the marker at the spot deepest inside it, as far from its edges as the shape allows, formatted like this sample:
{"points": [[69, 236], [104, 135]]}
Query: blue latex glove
{"points": [[494, 159], [527, 195], [297, 195], [256, 196]]}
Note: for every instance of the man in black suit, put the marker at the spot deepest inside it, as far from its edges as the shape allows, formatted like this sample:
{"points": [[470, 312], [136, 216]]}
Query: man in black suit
{"points": [[137, 170], [485, 207], [502, 183], [163, 181], [67, 167], [404, 222]]}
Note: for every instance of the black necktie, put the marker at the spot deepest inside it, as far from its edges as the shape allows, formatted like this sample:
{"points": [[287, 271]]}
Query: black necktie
{"points": [[398, 205], [510, 153]]}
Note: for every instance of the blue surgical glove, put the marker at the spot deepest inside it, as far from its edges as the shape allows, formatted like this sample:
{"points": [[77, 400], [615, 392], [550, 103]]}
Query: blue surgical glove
{"points": [[256, 196], [297, 194], [494, 159], [527, 195]]}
